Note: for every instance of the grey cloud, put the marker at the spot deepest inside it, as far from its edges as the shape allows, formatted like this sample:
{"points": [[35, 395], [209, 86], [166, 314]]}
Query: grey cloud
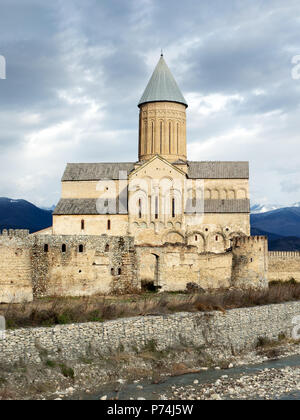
{"points": [[102, 54]]}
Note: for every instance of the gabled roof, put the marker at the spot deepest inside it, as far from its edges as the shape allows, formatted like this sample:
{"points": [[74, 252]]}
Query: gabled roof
{"points": [[196, 170], [147, 162], [162, 86]]}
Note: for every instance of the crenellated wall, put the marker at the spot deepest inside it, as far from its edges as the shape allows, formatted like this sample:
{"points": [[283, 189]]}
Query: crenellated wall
{"points": [[42, 265], [250, 262], [57, 265], [284, 266]]}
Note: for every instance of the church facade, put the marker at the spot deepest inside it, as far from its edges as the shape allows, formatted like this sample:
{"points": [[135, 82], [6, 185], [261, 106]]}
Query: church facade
{"points": [[163, 197], [162, 222]]}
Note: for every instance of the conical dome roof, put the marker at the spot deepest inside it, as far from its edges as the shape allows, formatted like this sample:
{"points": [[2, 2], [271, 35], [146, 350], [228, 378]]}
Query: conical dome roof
{"points": [[162, 86]]}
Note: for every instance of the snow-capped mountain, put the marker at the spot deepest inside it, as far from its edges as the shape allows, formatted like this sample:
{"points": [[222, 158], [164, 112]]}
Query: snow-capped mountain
{"points": [[20, 214], [263, 208]]}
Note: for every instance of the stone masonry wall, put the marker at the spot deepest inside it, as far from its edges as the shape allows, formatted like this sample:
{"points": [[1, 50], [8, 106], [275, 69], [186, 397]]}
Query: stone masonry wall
{"points": [[250, 262], [37, 265], [172, 266], [42, 265], [216, 332], [284, 265], [15, 267], [88, 265]]}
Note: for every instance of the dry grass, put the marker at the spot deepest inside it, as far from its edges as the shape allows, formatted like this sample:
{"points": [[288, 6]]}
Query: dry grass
{"points": [[48, 312], [6, 394]]}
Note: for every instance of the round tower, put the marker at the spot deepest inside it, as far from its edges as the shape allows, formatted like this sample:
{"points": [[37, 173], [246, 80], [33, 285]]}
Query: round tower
{"points": [[162, 125], [250, 262]]}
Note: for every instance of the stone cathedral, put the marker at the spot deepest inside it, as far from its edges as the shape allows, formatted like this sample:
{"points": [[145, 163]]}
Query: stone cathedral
{"points": [[152, 199], [162, 222]]}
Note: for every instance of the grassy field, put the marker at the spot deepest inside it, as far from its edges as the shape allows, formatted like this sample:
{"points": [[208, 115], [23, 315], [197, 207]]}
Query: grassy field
{"points": [[54, 311]]}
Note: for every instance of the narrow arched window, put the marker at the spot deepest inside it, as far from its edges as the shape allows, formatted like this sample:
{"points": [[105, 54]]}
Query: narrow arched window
{"points": [[170, 137], [119, 271], [82, 224], [140, 208], [80, 248], [217, 238], [173, 207], [196, 238], [63, 248], [106, 248], [112, 271], [152, 140], [161, 136], [156, 207], [145, 142], [108, 225], [46, 248]]}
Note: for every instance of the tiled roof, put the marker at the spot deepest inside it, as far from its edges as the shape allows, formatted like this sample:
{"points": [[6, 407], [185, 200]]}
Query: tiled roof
{"points": [[162, 86], [227, 206], [218, 170], [85, 206], [196, 170], [95, 171]]}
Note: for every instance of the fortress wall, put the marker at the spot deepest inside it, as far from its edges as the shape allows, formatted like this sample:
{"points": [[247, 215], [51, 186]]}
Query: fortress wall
{"points": [[220, 334], [15, 267], [81, 265], [250, 262], [284, 265], [105, 265], [172, 266]]}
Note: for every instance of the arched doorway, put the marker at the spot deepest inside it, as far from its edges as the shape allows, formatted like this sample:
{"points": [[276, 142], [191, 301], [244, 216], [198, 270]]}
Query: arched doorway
{"points": [[149, 271]]}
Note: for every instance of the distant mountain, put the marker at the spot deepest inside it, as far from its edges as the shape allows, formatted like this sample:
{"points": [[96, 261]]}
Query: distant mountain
{"points": [[283, 222], [259, 232], [277, 242], [20, 214], [263, 208], [49, 208], [288, 243]]}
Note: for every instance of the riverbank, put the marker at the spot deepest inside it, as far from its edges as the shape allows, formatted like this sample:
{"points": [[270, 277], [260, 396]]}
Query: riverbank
{"points": [[37, 363], [183, 373]]}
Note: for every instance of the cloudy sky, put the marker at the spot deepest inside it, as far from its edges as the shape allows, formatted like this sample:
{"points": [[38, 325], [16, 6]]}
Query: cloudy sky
{"points": [[76, 70]]}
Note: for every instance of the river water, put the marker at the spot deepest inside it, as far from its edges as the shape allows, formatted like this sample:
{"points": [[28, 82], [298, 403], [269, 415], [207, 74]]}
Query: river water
{"points": [[152, 391]]}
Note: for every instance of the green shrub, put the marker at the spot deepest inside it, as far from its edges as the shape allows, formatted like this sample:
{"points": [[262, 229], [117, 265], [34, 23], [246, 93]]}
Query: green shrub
{"points": [[50, 364], [67, 371]]}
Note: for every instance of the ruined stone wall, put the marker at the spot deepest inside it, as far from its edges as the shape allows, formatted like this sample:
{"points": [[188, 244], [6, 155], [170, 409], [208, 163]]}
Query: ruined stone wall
{"points": [[83, 265], [172, 266], [53, 265], [250, 262], [15, 267], [284, 266], [221, 334]]}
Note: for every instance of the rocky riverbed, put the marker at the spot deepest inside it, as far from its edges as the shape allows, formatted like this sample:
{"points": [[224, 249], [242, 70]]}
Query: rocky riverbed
{"points": [[272, 371], [268, 384]]}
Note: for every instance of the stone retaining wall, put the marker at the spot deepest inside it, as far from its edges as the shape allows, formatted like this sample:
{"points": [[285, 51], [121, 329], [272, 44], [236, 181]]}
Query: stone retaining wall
{"points": [[216, 332]]}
